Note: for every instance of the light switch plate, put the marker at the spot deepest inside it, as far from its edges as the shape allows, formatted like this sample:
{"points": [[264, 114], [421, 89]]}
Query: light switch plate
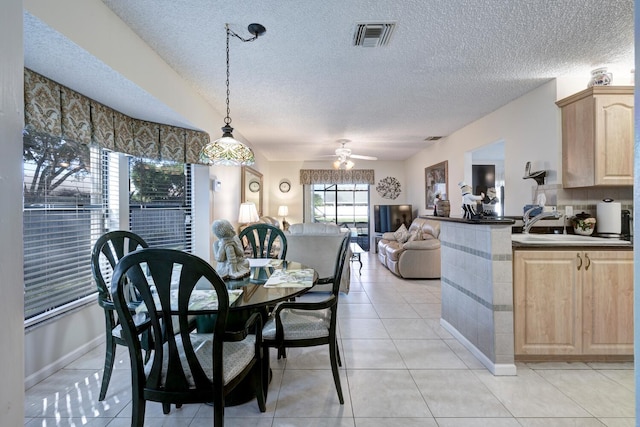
{"points": [[568, 211]]}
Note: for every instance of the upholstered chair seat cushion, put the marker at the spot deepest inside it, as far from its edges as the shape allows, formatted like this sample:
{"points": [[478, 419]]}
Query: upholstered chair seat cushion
{"points": [[299, 324], [236, 356]]}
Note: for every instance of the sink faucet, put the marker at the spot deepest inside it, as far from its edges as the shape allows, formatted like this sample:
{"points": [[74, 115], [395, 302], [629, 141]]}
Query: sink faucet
{"points": [[528, 221]]}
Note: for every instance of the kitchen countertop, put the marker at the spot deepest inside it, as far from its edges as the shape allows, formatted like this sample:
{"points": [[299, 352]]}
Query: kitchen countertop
{"points": [[566, 241], [483, 221]]}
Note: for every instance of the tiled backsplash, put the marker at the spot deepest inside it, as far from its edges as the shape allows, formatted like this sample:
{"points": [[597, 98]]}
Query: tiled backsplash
{"points": [[584, 199]]}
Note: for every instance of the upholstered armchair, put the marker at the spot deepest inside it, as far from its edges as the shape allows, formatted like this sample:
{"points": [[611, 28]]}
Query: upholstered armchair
{"points": [[413, 252], [316, 245]]}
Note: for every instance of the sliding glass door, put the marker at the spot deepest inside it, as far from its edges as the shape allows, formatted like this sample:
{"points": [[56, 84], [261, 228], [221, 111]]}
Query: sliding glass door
{"points": [[346, 205]]}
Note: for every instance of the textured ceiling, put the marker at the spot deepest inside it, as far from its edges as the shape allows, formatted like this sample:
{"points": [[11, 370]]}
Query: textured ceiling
{"points": [[302, 86]]}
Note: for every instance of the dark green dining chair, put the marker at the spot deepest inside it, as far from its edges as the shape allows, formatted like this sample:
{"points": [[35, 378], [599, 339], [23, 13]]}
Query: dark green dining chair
{"points": [[264, 241], [189, 367], [306, 324], [106, 253]]}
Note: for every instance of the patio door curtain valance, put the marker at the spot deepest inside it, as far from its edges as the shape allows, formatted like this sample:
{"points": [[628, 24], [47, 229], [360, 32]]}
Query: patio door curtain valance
{"points": [[339, 176], [58, 111]]}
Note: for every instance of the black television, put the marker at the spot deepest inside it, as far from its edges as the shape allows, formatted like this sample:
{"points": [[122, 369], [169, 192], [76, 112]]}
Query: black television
{"points": [[391, 217]]}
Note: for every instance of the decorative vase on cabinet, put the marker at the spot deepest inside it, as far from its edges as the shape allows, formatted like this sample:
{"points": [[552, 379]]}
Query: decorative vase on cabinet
{"points": [[600, 77], [597, 137]]}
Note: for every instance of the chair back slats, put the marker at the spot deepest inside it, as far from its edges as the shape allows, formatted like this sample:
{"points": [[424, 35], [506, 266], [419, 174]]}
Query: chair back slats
{"points": [[106, 253], [156, 274], [261, 238]]}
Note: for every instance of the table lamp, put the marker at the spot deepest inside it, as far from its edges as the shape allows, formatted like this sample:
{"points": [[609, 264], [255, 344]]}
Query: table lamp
{"points": [[283, 211], [248, 213]]}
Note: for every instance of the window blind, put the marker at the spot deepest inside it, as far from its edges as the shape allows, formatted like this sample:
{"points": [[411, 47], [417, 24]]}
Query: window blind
{"points": [[160, 203], [62, 217]]}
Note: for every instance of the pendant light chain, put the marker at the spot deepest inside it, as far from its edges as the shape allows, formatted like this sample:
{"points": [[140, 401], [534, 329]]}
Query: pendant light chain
{"points": [[226, 150], [227, 120]]}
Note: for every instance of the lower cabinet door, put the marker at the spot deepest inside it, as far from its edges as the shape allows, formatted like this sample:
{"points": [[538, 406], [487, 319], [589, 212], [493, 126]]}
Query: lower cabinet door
{"points": [[607, 309], [547, 303]]}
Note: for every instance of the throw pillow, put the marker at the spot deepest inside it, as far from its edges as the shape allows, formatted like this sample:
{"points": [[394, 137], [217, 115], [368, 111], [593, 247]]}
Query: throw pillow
{"points": [[401, 234]]}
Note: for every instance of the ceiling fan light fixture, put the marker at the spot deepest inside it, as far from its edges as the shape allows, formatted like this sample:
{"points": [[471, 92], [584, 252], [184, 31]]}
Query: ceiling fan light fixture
{"points": [[226, 150], [343, 163]]}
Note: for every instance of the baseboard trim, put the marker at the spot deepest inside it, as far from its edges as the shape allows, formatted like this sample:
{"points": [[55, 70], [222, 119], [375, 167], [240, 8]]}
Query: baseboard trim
{"points": [[497, 369], [54, 367]]}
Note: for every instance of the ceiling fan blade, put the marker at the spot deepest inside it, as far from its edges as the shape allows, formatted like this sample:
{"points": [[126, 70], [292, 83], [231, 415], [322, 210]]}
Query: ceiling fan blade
{"points": [[357, 156]]}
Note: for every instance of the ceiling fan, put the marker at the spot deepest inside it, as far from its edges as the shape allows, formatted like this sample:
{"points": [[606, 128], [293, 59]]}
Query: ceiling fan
{"points": [[344, 156]]}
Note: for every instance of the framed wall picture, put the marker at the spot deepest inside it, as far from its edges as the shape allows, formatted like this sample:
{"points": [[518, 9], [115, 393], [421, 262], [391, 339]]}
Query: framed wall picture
{"points": [[435, 181]]}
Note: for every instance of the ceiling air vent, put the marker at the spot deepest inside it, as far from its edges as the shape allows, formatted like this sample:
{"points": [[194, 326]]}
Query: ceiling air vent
{"points": [[373, 34], [432, 138]]}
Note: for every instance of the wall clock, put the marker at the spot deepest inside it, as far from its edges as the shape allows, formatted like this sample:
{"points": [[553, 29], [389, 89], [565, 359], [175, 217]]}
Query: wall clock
{"points": [[388, 188], [285, 186], [254, 186]]}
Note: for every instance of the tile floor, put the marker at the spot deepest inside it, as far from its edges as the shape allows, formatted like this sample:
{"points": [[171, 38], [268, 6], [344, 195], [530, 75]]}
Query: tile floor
{"points": [[400, 368]]}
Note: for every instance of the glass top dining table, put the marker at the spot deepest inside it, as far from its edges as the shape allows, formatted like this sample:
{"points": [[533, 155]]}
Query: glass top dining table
{"points": [[256, 290], [267, 284]]}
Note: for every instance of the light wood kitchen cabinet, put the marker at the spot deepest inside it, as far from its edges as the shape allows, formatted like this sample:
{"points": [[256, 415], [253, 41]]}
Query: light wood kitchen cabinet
{"points": [[573, 302], [607, 303], [597, 137]]}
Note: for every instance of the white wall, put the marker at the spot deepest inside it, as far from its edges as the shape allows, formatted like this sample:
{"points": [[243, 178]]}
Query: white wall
{"points": [[294, 198], [52, 345], [636, 207], [12, 302], [531, 130]]}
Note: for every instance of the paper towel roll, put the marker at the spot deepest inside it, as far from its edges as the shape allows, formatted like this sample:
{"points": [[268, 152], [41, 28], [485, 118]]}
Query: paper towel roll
{"points": [[608, 217]]}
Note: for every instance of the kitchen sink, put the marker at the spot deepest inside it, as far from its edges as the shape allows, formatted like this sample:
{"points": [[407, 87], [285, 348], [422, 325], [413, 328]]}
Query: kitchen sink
{"points": [[566, 240]]}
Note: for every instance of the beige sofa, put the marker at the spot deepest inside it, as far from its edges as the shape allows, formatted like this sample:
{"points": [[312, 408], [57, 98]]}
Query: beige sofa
{"points": [[317, 245], [414, 253]]}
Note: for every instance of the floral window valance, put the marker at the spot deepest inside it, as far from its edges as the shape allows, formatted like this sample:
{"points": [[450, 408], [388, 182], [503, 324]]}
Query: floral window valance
{"points": [[339, 176], [58, 111]]}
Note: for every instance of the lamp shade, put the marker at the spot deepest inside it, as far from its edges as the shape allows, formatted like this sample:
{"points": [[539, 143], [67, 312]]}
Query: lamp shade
{"points": [[227, 151], [248, 213], [283, 210]]}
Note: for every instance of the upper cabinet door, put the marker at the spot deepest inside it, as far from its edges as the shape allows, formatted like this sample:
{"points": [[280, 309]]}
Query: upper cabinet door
{"points": [[597, 137]]}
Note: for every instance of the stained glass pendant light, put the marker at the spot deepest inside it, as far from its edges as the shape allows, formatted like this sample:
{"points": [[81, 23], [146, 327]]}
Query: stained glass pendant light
{"points": [[227, 150]]}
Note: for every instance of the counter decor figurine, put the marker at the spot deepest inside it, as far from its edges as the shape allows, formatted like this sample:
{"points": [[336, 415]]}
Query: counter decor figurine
{"points": [[469, 201], [228, 251], [489, 202], [441, 206]]}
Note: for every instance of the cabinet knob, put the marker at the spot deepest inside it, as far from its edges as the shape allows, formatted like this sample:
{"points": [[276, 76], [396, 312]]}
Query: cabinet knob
{"points": [[588, 261], [579, 259]]}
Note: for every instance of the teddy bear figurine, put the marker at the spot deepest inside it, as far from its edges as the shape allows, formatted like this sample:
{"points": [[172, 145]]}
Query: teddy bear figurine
{"points": [[228, 252]]}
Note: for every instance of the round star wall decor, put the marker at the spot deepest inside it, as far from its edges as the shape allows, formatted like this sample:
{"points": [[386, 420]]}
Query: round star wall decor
{"points": [[388, 188]]}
